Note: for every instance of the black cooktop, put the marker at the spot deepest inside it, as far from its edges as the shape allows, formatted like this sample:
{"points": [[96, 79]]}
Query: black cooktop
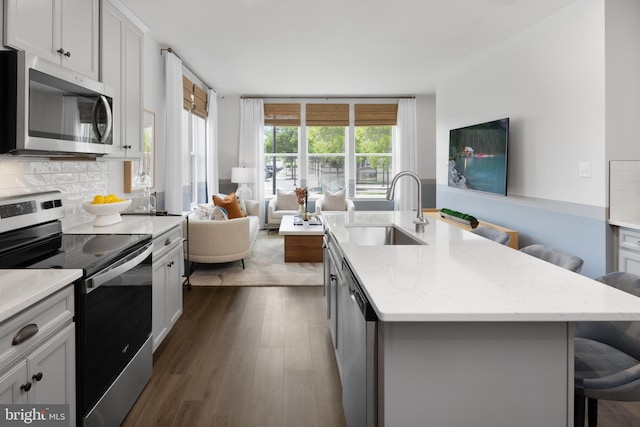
{"points": [[44, 246], [90, 251]]}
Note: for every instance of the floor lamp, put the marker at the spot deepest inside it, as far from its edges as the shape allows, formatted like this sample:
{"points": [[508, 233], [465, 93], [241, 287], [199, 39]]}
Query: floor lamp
{"points": [[243, 176]]}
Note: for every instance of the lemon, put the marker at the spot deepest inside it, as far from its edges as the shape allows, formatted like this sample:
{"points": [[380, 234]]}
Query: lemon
{"points": [[98, 199], [111, 198]]}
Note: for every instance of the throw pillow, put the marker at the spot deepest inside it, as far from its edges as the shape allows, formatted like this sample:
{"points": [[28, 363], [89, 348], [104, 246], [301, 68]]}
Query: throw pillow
{"points": [[334, 201], [287, 200], [218, 214], [230, 203]]}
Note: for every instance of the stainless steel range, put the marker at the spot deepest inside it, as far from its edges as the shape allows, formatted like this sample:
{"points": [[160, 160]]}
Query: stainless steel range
{"points": [[113, 300]]}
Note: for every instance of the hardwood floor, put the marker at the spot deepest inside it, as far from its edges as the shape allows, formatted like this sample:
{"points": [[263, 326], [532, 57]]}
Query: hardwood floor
{"points": [[250, 357], [243, 356]]}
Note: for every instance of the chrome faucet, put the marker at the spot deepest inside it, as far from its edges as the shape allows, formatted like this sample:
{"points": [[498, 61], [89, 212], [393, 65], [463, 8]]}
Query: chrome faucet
{"points": [[420, 220]]}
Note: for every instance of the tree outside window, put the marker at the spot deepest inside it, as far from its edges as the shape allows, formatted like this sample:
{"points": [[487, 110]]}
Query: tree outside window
{"points": [[326, 158], [280, 158], [373, 159]]}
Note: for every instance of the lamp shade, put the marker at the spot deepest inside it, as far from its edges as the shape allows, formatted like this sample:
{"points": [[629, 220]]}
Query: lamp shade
{"points": [[243, 175]]}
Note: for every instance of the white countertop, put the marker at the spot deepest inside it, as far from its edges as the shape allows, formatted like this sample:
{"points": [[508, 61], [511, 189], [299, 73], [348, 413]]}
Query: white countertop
{"points": [[626, 223], [131, 224], [19, 289], [459, 276]]}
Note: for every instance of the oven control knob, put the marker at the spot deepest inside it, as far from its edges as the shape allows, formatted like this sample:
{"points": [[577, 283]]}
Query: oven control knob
{"points": [[37, 377], [25, 387]]}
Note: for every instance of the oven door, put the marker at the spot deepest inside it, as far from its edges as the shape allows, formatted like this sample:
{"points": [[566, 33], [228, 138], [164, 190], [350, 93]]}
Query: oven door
{"points": [[113, 323]]}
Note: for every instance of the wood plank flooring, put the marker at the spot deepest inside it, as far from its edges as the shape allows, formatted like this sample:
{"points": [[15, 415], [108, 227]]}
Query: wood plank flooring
{"points": [[245, 356]]}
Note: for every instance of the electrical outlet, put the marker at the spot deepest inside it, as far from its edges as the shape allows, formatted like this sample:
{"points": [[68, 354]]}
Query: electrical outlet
{"points": [[584, 170]]}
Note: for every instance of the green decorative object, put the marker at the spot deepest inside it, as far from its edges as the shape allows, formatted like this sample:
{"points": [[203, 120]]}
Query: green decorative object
{"points": [[471, 221]]}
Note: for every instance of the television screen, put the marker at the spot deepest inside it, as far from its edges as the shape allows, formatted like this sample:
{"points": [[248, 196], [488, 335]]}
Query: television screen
{"points": [[478, 157]]}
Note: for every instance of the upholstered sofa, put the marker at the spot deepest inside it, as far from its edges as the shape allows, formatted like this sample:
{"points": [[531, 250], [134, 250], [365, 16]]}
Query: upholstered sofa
{"points": [[213, 241]]}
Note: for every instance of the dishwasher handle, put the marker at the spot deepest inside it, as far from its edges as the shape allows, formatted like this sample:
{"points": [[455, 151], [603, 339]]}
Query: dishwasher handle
{"points": [[356, 293]]}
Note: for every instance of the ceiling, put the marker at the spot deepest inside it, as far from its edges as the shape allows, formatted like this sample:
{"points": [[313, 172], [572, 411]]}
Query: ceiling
{"points": [[333, 47]]}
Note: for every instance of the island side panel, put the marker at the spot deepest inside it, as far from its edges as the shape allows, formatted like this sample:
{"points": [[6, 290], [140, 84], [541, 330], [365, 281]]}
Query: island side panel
{"points": [[480, 374]]}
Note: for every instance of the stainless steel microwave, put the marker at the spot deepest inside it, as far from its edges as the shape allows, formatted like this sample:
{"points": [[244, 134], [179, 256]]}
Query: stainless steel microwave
{"points": [[49, 110]]}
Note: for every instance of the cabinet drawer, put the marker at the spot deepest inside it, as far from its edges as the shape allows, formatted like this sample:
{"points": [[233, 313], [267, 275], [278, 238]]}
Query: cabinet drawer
{"points": [[166, 241], [629, 239], [48, 316]]}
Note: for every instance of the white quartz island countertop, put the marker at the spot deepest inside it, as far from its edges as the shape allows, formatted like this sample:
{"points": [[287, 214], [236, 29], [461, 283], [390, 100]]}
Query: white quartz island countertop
{"points": [[20, 289], [458, 276], [131, 224]]}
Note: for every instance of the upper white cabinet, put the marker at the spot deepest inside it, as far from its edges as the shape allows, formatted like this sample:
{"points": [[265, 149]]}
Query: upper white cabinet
{"points": [[121, 69], [65, 32]]}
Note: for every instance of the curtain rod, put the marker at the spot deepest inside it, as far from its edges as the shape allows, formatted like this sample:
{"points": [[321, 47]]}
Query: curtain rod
{"points": [[187, 66], [328, 97]]}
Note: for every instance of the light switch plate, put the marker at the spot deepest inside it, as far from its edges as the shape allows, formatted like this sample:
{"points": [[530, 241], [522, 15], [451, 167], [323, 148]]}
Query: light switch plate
{"points": [[585, 170]]}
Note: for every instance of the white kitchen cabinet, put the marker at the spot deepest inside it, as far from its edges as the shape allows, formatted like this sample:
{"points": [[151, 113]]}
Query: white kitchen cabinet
{"points": [[121, 69], [167, 283], [629, 250], [61, 31], [40, 369]]}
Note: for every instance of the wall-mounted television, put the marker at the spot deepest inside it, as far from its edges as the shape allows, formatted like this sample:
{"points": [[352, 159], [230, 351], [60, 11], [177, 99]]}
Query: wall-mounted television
{"points": [[478, 156]]}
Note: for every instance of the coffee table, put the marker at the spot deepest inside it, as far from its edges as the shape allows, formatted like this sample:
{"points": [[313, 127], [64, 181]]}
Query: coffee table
{"points": [[302, 243]]}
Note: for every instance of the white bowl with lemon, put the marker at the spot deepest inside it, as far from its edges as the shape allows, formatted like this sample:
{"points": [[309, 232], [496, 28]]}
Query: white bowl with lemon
{"points": [[106, 209]]}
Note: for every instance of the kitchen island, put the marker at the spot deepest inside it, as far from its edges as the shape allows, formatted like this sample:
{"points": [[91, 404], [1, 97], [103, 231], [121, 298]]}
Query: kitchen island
{"points": [[469, 332]]}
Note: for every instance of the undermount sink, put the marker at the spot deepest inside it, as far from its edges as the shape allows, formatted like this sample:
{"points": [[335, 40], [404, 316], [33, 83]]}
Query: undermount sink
{"points": [[379, 235]]}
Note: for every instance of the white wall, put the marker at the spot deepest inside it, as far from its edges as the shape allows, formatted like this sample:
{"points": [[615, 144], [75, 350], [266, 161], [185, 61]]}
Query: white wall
{"points": [[154, 100], [550, 81]]}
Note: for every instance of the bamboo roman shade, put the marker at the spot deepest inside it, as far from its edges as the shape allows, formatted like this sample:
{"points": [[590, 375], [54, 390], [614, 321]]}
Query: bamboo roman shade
{"points": [[327, 115], [194, 99], [187, 94], [376, 114], [282, 114]]}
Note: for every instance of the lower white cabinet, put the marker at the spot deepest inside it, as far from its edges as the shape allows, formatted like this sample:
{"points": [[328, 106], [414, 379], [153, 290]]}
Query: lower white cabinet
{"points": [[168, 267], [629, 251], [41, 370]]}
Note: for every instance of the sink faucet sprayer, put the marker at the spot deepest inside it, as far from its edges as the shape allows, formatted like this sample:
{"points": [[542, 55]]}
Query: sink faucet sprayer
{"points": [[420, 220]]}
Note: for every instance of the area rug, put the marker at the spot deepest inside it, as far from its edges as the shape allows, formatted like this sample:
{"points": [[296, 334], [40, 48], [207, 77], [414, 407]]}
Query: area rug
{"points": [[264, 267]]}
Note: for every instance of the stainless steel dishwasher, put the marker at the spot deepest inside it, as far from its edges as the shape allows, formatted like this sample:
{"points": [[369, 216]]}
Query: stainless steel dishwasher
{"points": [[358, 352]]}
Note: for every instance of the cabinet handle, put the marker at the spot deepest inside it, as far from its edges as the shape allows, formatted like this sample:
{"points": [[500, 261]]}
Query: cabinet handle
{"points": [[67, 54], [60, 51], [37, 377], [333, 277], [170, 264], [25, 387], [25, 333], [168, 242]]}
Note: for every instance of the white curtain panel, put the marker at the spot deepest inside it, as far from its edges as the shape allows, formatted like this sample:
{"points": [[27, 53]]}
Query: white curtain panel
{"points": [[173, 166], [212, 146], [250, 152], [405, 149]]}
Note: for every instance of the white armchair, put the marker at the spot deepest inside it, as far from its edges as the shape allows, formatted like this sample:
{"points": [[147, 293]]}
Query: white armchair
{"points": [[283, 204], [320, 204], [334, 202]]}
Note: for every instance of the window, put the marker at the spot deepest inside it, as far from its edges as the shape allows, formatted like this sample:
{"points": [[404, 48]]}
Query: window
{"points": [[194, 150], [281, 158], [321, 151], [373, 160], [325, 169]]}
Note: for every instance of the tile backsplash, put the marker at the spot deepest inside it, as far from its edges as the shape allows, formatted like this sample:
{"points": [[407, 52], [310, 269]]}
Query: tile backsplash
{"points": [[78, 181]]}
